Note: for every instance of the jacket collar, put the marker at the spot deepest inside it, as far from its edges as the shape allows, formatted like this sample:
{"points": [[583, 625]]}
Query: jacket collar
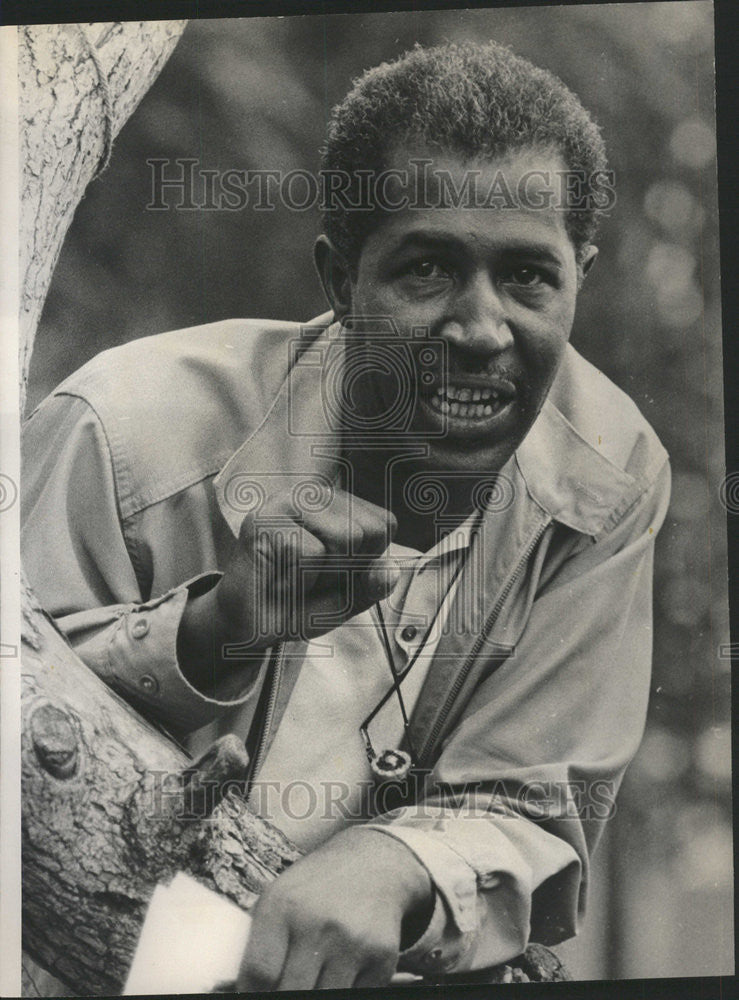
{"points": [[567, 477], [297, 446]]}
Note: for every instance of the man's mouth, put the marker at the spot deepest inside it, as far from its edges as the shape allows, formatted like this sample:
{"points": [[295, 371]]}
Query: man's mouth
{"points": [[471, 402]]}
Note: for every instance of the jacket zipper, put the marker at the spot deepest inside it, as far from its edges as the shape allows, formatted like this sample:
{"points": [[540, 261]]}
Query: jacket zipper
{"points": [[270, 709], [479, 643]]}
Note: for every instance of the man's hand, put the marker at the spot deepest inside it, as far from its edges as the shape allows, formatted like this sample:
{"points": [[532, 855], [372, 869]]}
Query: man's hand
{"points": [[333, 919], [291, 575]]}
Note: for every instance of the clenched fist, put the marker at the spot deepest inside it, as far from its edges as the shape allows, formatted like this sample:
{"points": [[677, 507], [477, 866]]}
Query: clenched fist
{"points": [[291, 574]]}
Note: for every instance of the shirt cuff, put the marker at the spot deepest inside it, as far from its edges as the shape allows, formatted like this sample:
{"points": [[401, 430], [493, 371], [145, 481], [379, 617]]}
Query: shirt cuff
{"points": [[452, 929], [483, 913], [425, 952], [142, 662]]}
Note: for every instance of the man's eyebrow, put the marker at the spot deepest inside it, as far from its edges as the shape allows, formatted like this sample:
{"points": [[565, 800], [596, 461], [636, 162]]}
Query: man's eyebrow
{"points": [[538, 251], [424, 238]]}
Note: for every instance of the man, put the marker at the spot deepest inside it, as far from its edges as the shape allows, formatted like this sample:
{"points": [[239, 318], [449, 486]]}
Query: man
{"points": [[265, 528]]}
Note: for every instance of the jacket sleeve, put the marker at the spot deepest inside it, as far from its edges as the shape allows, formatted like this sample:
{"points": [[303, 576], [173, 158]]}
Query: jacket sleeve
{"points": [[525, 782], [76, 558]]}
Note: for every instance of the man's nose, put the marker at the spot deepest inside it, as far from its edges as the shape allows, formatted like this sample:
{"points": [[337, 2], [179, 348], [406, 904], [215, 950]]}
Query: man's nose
{"points": [[478, 321]]}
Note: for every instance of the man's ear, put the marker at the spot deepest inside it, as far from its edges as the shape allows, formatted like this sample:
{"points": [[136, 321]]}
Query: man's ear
{"points": [[589, 259], [585, 264], [334, 274]]}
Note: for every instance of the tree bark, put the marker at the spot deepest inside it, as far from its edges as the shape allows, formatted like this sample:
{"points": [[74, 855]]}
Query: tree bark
{"points": [[78, 84]]}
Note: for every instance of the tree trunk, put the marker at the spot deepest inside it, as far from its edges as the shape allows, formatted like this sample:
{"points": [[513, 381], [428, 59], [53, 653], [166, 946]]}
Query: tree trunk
{"points": [[110, 806], [78, 85]]}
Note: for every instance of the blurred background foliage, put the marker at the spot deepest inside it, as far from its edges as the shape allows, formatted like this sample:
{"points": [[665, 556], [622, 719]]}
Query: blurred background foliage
{"points": [[255, 94]]}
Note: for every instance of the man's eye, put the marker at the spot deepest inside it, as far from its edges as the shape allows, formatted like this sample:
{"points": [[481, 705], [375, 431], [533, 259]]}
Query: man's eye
{"points": [[530, 277], [426, 269]]}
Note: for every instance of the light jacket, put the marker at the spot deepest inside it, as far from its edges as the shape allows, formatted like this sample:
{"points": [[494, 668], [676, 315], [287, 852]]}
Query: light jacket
{"points": [[137, 472]]}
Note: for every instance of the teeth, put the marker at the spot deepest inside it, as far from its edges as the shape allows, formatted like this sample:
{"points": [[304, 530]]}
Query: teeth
{"points": [[463, 394], [461, 401]]}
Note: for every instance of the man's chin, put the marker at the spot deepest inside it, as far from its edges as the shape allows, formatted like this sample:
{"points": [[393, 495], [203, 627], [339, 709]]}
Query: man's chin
{"points": [[469, 457]]}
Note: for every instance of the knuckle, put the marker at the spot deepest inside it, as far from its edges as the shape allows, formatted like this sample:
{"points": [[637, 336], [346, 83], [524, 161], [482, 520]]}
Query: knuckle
{"points": [[247, 527], [356, 538], [335, 928], [274, 905], [381, 949], [311, 546], [287, 902], [279, 503], [375, 958], [363, 941], [377, 522], [343, 937]]}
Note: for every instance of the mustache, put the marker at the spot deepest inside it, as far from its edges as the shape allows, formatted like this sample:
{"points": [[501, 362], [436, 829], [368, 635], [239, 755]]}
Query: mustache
{"points": [[480, 372], [503, 373], [464, 362]]}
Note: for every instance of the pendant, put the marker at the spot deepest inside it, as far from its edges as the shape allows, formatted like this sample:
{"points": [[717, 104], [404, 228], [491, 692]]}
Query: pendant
{"points": [[391, 765]]}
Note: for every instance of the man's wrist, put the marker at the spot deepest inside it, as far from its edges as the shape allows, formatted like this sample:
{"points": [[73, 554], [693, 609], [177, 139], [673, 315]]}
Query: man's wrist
{"points": [[202, 641], [408, 877]]}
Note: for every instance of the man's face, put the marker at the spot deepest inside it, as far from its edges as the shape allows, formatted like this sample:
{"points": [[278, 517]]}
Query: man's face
{"points": [[497, 285]]}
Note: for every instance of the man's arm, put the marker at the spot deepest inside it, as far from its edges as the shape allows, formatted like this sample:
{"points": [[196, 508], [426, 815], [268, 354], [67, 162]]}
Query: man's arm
{"points": [[521, 792], [166, 653], [77, 558]]}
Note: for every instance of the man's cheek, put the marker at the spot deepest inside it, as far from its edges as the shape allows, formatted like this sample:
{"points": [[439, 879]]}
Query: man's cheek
{"points": [[543, 361], [542, 365], [547, 346]]}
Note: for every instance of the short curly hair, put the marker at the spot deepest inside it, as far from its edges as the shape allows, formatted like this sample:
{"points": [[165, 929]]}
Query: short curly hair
{"points": [[474, 100]]}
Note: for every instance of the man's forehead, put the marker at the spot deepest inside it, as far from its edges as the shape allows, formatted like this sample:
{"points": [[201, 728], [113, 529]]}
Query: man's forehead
{"points": [[539, 235], [514, 200], [423, 187]]}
